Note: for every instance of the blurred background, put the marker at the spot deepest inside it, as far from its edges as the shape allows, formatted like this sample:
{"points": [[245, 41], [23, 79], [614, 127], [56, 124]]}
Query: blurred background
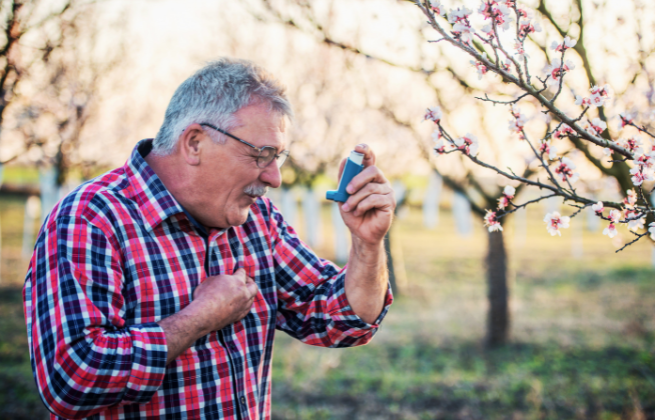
{"points": [[511, 325]]}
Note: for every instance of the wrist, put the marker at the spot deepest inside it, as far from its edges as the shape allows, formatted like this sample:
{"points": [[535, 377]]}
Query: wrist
{"points": [[368, 253], [197, 312]]}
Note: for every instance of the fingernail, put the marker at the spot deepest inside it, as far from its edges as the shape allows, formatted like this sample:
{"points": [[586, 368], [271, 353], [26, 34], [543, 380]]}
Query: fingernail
{"points": [[350, 189], [345, 207], [362, 145]]}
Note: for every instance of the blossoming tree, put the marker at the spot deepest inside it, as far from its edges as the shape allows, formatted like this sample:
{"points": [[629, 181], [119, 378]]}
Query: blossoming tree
{"points": [[506, 22], [443, 70]]}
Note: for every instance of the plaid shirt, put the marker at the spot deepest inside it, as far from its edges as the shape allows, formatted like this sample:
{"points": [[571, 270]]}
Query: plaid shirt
{"points": [[119, 254]]}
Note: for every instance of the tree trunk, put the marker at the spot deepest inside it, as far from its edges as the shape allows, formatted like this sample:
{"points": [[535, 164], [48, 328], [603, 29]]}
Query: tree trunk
{"points": [[390, 269], [498, 318]]}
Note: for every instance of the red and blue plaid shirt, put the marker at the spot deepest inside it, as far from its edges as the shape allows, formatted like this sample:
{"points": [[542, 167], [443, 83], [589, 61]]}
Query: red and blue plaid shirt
{"points": [[119, 254]]}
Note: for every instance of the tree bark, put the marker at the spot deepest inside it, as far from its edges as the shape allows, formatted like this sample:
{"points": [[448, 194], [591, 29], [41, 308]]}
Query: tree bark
{"points": [[390, 269], [498, 318]]}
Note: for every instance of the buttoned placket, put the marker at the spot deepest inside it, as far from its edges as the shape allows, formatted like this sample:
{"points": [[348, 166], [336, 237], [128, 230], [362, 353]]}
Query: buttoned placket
{"points": [[211, 250], [225, 336]]}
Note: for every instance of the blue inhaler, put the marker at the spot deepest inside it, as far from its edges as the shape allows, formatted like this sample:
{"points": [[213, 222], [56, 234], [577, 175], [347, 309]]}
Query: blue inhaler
{"points": [[353, 167]]}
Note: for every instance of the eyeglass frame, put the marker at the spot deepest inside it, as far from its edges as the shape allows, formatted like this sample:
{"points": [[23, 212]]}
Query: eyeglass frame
{"points": [[276, 156]]}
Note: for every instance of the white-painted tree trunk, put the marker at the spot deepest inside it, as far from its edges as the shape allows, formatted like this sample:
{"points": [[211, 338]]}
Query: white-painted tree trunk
{"points": [[462, 214], [341, 243], [311, 209], [32, 212], [431, 200], [49, 190]]}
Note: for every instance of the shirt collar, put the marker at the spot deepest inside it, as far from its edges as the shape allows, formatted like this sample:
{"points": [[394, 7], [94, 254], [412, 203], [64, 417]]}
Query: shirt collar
{"points": [[156, 203]]}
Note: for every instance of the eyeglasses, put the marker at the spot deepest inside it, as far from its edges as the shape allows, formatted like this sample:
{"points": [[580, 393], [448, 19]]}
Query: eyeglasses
{"points": [[266, 154]]}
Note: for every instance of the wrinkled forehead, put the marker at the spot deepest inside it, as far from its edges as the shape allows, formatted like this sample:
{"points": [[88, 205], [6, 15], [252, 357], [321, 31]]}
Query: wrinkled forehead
{"points": [[263, 127]]}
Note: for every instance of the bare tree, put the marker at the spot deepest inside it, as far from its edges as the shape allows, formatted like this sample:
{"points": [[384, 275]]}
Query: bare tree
{"points": [[26, 42], [65, 91]]}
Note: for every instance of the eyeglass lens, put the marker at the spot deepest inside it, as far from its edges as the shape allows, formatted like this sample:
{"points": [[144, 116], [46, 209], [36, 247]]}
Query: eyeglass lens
{"points": [[267, 154]]}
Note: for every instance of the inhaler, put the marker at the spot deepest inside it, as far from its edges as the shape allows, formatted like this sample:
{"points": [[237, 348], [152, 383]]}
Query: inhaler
{"points": [[353, 167]]}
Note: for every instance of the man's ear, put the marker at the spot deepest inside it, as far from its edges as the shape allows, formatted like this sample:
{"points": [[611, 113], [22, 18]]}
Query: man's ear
{"points": [[190, 143]]}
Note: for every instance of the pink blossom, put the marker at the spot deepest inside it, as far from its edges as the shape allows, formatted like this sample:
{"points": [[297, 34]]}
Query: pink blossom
{"points": [[440, 146], [463, 32], [641, 175], [596, 126], [599, 95], [635, 222], [520, 50], [546, 148], [526, 27], [504, 200], [615, 216], [509, 191], [645, 160], [598, 207], [480, 67], [579, 100], [437, 7], [491, 221], [633, 144], [610, 230], [458, 15], [651, 229], [499, 13], [518, 123], [433, 114], [565, 170], [565, 45], [630, 198], [626, 119], [563, 131], [469, 144], [554, 222], [557, 70]]}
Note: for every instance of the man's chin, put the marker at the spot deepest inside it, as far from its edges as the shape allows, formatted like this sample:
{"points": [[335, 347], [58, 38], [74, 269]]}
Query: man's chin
{"points": [[239, 218]]}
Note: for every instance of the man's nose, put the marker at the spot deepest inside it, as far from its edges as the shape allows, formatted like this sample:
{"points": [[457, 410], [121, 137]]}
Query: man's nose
{"points": [[271, 175]]}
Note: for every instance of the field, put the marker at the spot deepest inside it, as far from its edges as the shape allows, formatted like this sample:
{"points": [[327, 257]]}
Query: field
{"points": [[582, 333]]}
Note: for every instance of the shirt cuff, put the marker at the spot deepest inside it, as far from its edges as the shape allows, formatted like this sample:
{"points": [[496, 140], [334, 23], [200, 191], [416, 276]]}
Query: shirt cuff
{"points": [[149, 353], [341, 312]]}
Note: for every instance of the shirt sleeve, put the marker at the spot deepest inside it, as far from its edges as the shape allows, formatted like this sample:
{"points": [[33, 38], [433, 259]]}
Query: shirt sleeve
{"points": [[84, 357], [312, 302]]}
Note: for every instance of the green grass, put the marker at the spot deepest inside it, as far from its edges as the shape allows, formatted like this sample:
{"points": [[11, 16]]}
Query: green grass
{"points": [[582, 334]]}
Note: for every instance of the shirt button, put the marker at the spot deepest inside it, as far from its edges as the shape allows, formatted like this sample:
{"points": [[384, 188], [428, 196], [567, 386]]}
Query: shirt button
{"points": [[243, 400], [233, 347]]}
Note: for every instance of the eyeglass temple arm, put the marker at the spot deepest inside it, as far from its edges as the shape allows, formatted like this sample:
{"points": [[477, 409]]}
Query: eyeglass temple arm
{"points": [[230, 135]]}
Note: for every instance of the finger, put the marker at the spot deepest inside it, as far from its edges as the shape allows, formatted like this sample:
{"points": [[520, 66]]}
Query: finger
{"points": [[341, 166], [369, 156], [375, 201], [370, 174], [368, 189], [252, 289], [241, 275]]}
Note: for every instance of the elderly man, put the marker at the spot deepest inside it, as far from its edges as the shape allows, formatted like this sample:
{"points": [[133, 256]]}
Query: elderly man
{"points": [[155, 289]]}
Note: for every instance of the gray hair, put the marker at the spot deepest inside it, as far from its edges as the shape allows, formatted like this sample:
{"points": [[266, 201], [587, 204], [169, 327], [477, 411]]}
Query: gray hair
{"points": [[213, 94]]}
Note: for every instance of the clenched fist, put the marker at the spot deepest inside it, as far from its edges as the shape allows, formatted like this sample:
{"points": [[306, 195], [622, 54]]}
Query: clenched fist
{"points": [[225, 299], [218, 301]]}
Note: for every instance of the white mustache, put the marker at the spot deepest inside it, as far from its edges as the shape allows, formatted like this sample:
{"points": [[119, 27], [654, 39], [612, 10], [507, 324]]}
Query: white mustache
{"points": [[255, 190]]}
